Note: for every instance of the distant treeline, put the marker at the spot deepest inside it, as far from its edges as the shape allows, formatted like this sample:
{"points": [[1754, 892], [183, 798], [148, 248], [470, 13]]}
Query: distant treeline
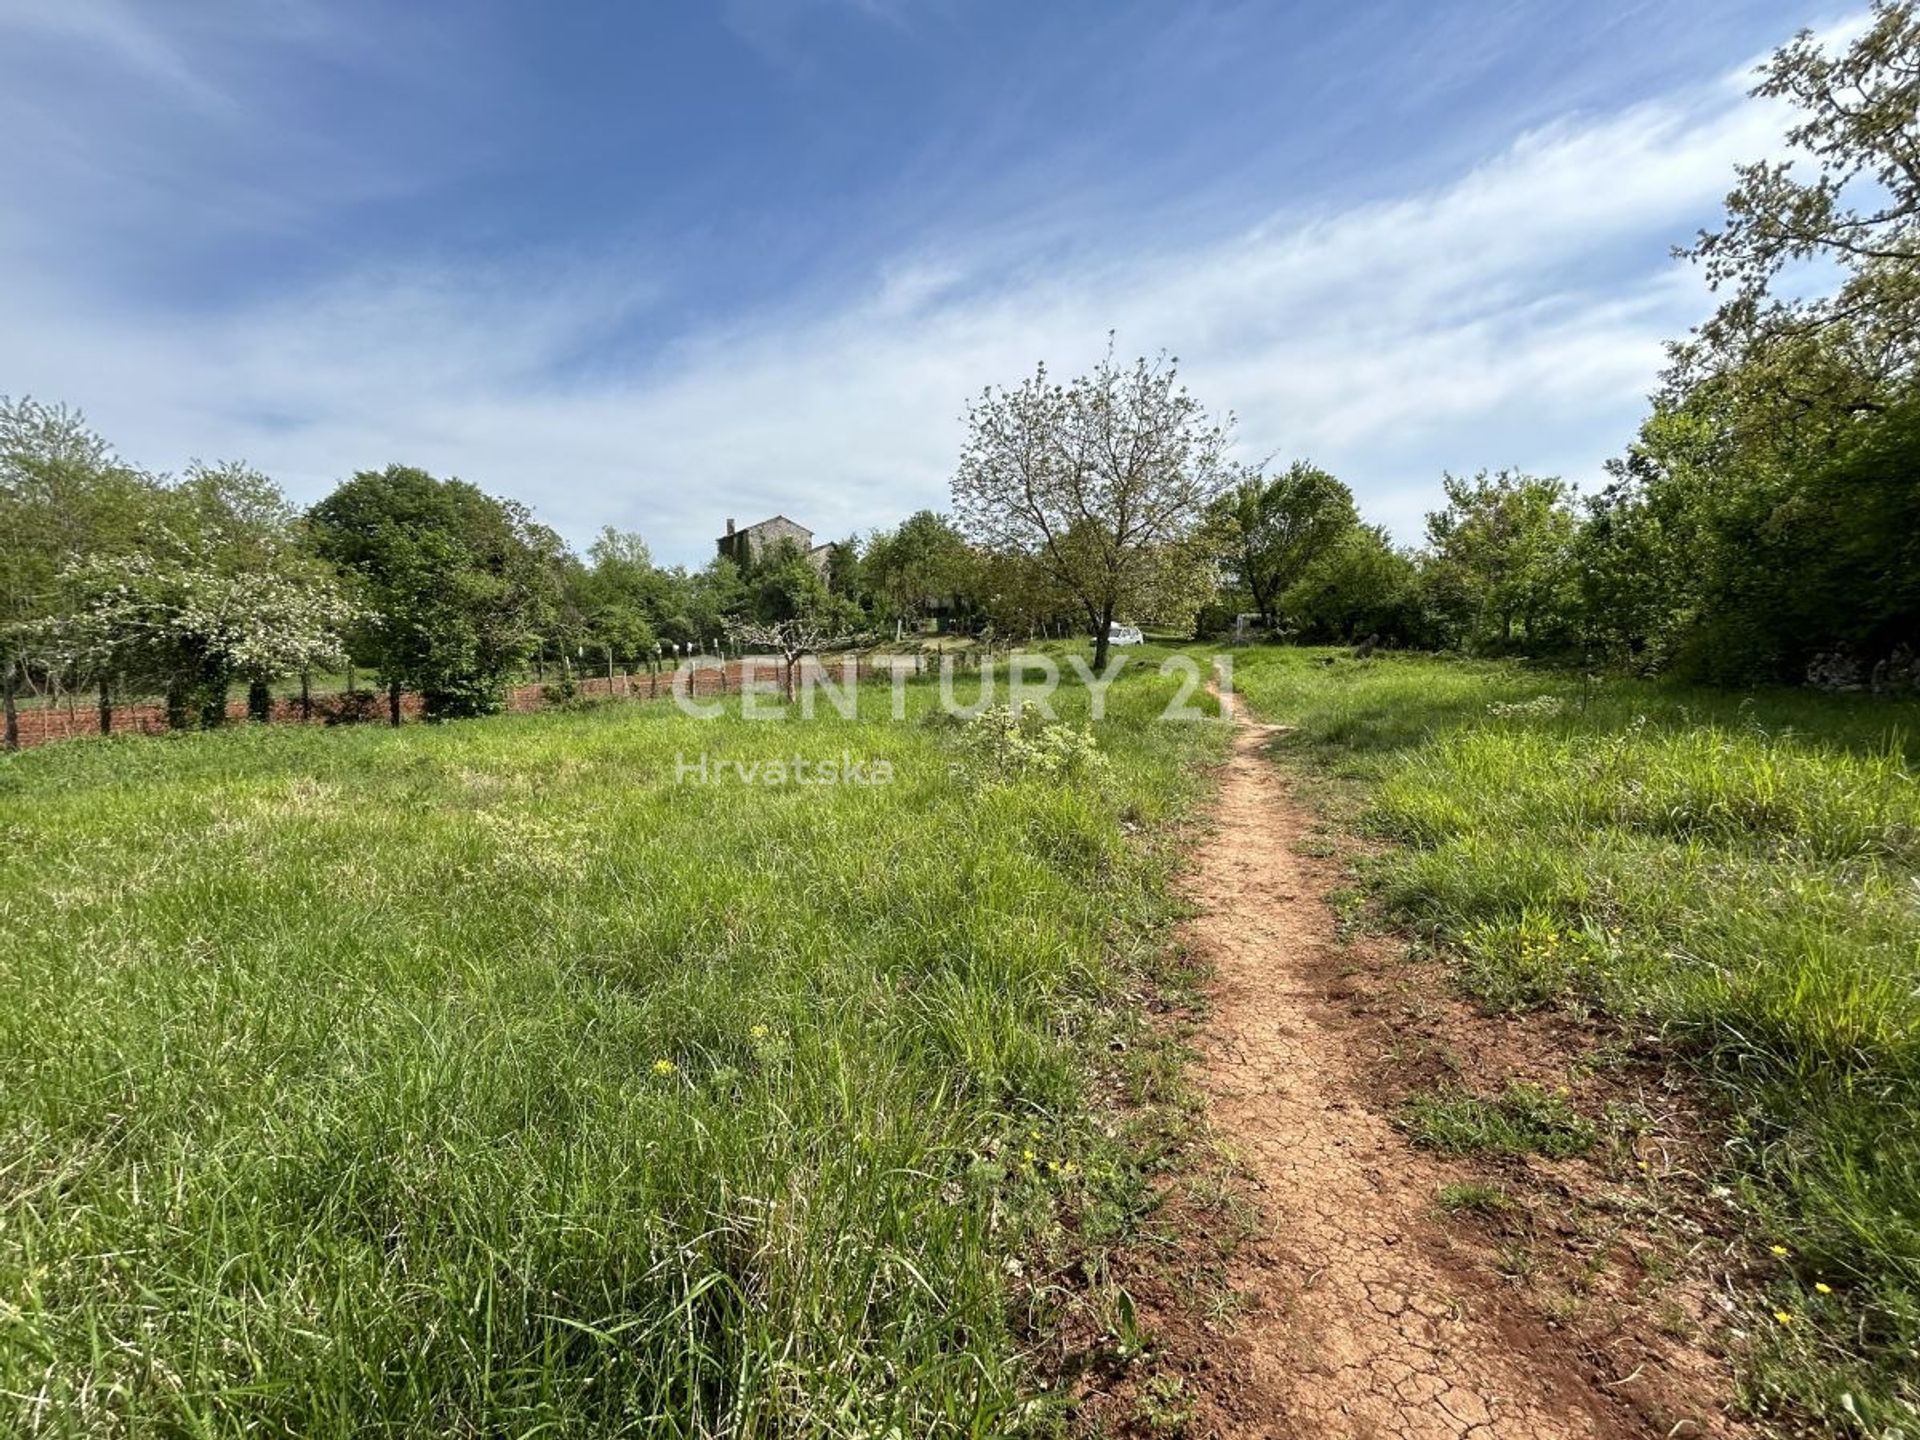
{"points": [[1763, 526]]}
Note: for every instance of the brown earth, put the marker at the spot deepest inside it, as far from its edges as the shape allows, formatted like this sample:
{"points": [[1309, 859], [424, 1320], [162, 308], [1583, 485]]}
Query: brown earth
{"points": [[1359, 1310]]}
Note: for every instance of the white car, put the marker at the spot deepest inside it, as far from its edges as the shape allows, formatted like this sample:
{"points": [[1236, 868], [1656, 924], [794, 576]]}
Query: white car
{"points": [[1118, 634]]}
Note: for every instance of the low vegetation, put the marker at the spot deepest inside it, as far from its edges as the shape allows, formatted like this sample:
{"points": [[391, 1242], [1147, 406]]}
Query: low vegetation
{"points": [[1522, 1120], [481, 1079], [1738, 875]]}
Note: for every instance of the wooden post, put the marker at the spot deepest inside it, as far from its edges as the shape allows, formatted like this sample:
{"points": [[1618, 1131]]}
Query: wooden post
{"points": [[393, 703], [106, 706], [306, 695]]}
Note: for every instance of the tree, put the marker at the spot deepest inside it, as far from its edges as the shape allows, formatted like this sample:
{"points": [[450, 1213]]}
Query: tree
{"points": [[1358, 586], [784, 583], [827, 626], [1859, 124], [621, 595], [460, 584], [1272, 530], [1499, 562], [1761, 516], [1103, 480], [846, 569], [924, 561], [181, 617], [64, 496]]}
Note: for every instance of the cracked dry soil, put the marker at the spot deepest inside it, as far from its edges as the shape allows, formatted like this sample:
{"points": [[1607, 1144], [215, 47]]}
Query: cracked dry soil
{"points": [[1355, 1325]]}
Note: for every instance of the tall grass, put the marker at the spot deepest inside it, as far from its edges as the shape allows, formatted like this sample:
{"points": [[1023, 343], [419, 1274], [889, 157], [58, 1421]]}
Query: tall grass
{"points": [[1741, 872], [482, 1079]]}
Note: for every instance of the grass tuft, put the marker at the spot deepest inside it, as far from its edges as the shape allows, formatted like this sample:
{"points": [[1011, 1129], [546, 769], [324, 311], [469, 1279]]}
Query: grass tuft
{"points": [[1523, 1119]]}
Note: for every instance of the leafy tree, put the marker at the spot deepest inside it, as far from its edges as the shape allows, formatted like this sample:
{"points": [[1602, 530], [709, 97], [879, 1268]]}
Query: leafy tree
{"points": [[1358, 586], [180, 616], [847, 570], [460, 584], [1760, 518], [1859, 212], [922, 562], [782, 583], [1104, 481], [1500, 559], [1272, 530], [621, 596], [64, 497]]}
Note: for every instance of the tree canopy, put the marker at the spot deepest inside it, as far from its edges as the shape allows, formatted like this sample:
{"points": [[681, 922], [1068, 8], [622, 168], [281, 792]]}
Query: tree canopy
{"points": [[1104, 481]]}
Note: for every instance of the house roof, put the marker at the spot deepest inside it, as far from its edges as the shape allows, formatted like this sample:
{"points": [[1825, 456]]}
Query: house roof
{"points": [[758, 524]]}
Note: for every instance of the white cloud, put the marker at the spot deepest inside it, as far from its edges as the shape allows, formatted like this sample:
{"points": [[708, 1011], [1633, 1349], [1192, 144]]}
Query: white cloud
{"points": [[1510, 316]]}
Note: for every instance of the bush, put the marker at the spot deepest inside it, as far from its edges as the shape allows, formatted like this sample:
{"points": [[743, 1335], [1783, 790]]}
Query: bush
{"points": [[1002, 741]]}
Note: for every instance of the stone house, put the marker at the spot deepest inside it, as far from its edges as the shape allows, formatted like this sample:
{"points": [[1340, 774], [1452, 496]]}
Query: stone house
{"points": [[740, 543]]}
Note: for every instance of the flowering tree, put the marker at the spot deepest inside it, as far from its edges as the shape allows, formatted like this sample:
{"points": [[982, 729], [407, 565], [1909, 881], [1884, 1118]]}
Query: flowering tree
{"points": [[188, 624], [1104, 481]]}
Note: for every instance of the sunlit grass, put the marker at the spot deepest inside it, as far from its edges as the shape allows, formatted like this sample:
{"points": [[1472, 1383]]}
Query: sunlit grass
{"points": [[480, 1079], [1741, 873]]}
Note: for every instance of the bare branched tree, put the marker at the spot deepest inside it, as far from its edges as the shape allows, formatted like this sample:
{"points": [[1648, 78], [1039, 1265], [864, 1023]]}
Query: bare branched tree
{"points": [[793, 640], [1103, 480]]}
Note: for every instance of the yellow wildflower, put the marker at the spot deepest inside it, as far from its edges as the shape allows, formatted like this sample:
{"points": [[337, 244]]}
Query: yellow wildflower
{"points": [[1784, 1317], [1779, 1250], [758, 1032], [1823, 1287], [663, 1067], [1027, 1155]]}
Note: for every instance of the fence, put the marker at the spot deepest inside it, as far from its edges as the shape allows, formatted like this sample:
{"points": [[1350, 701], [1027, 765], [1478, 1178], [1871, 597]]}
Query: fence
{"points": [[73, 716]]}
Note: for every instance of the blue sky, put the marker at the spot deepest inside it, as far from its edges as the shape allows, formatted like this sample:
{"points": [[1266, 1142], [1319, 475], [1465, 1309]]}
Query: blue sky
{"points": [[658, 262]]}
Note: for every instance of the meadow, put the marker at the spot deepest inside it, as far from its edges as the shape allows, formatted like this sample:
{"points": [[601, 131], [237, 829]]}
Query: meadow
{"points": [[1738, 875], [481, 1078]]}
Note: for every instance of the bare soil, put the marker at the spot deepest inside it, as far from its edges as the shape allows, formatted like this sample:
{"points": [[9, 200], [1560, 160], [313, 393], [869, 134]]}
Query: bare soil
{"points": [[1359, 1309]]}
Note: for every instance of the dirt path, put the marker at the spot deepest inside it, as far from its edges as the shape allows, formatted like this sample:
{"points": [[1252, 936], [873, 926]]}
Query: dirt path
{"points": [[1356, 1324]]}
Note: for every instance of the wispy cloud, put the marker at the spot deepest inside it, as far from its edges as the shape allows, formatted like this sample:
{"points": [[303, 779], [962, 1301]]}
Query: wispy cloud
{"points": [[1511, 315]]}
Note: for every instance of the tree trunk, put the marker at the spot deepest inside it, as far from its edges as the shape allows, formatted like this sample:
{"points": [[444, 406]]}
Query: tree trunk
{"points": [[9, 702], [213, 704], [349, 684], [179, 703], [393, 703], [259, 702], [106, 706], [1102, 640], [306, 695]]}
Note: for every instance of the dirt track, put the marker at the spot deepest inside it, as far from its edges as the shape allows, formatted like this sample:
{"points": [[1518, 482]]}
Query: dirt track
{"points": [[1356, 1323]]}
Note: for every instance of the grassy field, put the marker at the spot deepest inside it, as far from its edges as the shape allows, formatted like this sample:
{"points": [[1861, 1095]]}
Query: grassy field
{"points": [[482, 1079], [1739, 874]]}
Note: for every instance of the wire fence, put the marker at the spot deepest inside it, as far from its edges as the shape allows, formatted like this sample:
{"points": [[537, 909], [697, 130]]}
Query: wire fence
{"points": [[73, 715]]}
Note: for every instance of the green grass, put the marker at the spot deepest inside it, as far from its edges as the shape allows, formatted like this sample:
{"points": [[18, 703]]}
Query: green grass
{"points": [[1522, 1120], [1739, 874], [480, 1079], [1473, 1197]]}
